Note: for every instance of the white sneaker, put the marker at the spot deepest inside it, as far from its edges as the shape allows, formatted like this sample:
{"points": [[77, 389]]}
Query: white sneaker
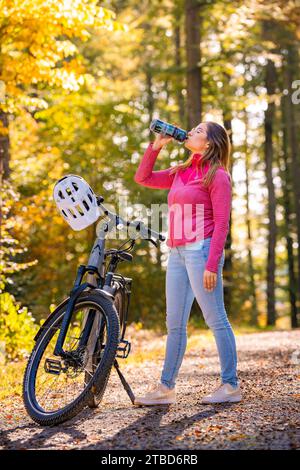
{"points": [[224, 393], [159, 395]]}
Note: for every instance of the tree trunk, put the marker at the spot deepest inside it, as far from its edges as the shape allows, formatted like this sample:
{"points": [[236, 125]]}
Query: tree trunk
{"points": [[252, 290], [289, 77], [150, 99], [228, 266], [270, 77], [178, 63], [4, 146], [286, 188], [193, 22]]}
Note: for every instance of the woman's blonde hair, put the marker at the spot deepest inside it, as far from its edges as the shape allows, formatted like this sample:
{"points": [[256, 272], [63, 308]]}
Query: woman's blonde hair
{"points": [[217, 155]]}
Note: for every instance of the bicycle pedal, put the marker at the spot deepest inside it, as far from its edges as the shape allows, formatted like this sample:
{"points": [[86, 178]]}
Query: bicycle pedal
{"points": [[123, 350], [53, 366]]}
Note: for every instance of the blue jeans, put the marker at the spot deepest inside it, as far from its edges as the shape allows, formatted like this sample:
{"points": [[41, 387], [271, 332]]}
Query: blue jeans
{"points": [[184, 282]]}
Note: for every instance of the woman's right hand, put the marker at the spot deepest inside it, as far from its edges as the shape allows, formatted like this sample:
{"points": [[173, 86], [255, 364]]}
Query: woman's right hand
{"points": [[160, 141]]}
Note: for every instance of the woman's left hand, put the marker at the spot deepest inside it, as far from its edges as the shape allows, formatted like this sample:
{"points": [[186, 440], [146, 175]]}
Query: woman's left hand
{"points": [[209, 280]]}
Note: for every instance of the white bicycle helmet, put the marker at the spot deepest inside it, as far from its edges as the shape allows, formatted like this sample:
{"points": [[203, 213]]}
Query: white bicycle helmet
{"points": [[76, 201]]}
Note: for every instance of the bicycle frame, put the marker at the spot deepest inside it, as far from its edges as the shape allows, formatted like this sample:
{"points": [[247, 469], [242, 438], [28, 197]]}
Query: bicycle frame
{"points": [[97, 277], [94, 268]]}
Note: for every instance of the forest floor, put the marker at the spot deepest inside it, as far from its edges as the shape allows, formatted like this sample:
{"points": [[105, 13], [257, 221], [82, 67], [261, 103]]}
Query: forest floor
{"points": [[267, 418]]}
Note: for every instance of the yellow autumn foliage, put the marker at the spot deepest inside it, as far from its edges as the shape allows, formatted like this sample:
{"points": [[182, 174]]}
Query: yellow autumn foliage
{"points": [[17, 329], [38, 44]]}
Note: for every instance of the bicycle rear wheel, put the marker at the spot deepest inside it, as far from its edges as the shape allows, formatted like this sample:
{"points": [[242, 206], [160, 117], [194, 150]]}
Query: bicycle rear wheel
{"points": [[56, 389]]}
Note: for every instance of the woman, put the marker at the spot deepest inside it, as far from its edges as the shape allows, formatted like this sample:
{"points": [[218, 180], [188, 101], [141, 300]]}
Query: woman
{"points": [[195, 267]]}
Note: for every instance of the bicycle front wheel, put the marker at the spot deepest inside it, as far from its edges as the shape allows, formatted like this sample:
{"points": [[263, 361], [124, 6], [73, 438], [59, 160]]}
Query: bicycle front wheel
{"points": [[56, 389]]}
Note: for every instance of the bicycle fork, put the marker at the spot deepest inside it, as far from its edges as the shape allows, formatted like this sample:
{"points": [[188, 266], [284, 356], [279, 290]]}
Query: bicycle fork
{"points": [[75, 292]]}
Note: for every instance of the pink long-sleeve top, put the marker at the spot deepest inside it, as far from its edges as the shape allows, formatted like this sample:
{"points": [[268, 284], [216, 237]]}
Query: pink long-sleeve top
{"points": [[209, 205]]}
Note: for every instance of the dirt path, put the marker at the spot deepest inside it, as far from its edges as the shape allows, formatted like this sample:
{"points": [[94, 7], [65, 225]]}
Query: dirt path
{"points": [[267, 418]]}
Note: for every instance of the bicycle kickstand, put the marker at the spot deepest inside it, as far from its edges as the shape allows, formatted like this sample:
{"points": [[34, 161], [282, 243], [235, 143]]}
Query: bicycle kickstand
{"points": [[124, 382]]}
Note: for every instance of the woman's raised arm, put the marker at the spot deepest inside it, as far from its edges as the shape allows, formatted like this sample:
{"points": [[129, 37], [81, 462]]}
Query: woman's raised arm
{"points": [[152, 179]]}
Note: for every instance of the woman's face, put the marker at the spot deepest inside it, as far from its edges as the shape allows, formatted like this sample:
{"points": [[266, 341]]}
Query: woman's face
{"points": [[197, 139]]}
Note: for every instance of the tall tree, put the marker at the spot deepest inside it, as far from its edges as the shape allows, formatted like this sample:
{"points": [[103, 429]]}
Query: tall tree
{"points": [[193, 21], [4, 146], [285, 174], [251, 271], [270, 84], [291, 71], [228, 265], [178, 38]]}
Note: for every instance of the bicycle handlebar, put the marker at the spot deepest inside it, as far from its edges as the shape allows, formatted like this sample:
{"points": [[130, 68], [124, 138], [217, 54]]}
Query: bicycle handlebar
{"points": [[137, 224]]}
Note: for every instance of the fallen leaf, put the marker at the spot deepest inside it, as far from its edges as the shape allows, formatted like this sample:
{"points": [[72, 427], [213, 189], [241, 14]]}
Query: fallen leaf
{"points": [[237, 437]]}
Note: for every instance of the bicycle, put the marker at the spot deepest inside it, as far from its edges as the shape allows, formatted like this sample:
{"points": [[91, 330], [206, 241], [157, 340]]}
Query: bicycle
{"points": [[80, 341]]}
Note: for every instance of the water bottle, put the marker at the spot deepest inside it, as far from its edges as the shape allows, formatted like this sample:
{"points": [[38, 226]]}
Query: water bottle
{"points": [[161, 127]]}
